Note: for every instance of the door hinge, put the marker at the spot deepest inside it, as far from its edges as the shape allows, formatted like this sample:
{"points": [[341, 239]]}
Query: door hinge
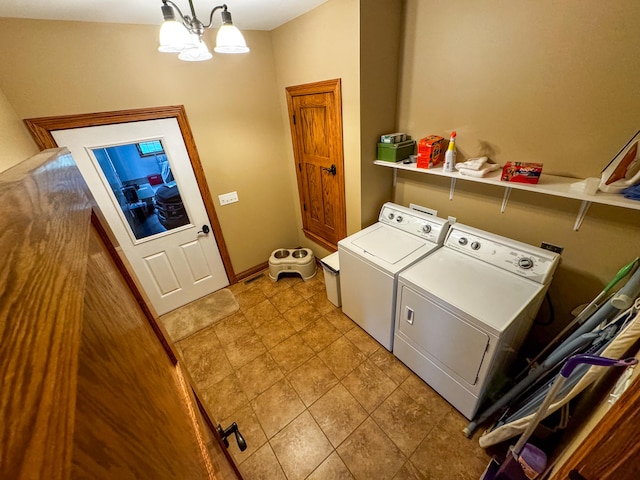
{"points": [[294, 119]]}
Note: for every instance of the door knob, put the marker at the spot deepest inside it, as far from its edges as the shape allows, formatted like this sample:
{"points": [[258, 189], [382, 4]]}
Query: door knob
{"points": [[205, 229], [233, 428], [331, 170]]}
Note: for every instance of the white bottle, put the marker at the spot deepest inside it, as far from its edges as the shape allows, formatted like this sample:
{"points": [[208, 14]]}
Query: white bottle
{"points": [[450, 156]]}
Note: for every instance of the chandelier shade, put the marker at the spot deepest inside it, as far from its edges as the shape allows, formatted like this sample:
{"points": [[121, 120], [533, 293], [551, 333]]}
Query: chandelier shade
{"points": [[183, 35]]}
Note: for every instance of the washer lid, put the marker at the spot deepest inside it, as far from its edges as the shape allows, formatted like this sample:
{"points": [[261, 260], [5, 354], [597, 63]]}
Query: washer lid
{"points": [[388, 244]]}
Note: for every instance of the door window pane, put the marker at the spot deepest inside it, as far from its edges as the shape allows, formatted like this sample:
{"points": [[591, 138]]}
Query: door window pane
{"points": [[144, 187]]}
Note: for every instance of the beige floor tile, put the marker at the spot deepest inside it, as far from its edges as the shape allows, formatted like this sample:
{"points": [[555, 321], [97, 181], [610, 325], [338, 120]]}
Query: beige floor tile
{"points": [[404, 420], [374, 450], [239, 287], [333, 468], [249, 297], [291, 353], [232, 328], [277, 406], [321, 303], [310, 288], [369, 454], [390, 365], [258, 375], [268, 287], [312, 380], [369, 385], [446, 454], [342, 357], [301, 447], [409, 472], [362, 340], [262, 465], [319, 334], [261, 313], [286, 300], [340, 320], [204, 358], [302, 315], [251, 430], [225, 397], [422, 393], [338, 414], [244, 349], [275, 331]]}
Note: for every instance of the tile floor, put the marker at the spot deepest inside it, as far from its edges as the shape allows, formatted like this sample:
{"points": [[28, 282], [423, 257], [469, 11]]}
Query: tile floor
{"points": [[317, 398]]}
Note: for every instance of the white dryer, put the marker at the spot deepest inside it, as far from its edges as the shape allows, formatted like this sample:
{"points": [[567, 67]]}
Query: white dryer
{"points": [[464, 311], [371, 259]]}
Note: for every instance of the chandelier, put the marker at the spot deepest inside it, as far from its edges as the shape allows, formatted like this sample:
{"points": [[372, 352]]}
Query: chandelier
{"points": [[184, 36]]}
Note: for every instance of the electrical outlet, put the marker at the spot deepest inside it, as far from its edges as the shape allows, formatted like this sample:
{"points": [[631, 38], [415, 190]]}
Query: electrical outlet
{"points": [[552, 248], [227, 198]]}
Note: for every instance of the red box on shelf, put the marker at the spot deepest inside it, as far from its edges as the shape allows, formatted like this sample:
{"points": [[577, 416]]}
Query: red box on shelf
{"points": [[430, 151], [155, 179], [521, 172]]}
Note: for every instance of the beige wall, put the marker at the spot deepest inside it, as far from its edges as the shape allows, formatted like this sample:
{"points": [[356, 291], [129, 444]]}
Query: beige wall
{"points": [[551, 82], [232, 103], [321, 45], [15, 142], [381, 23]]}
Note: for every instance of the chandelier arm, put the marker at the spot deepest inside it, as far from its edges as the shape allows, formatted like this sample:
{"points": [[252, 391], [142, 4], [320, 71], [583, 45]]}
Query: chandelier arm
{"points": [[223, 6]]}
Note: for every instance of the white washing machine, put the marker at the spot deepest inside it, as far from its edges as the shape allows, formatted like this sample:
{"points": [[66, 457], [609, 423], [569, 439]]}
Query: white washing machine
{"points": [[463, 312], [371, 259]]}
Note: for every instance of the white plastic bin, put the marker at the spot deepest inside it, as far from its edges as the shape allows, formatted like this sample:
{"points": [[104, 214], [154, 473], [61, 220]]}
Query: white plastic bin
{"points": [[331, 267]]}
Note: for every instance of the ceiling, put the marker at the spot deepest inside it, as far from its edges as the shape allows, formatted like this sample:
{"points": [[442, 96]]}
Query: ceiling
{"points": [[247, 14]]}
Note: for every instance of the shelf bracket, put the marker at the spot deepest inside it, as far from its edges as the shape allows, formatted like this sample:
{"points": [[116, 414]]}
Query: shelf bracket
{"points": [[505, 199], [584, 208], [452, 188]]}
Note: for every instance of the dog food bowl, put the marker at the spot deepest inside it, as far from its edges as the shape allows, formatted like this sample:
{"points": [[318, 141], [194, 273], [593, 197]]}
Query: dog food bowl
{"points": [[292, 260]]}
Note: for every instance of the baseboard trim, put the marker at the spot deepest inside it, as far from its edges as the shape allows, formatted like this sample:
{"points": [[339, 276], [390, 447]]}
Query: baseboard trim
{"points": [[251, 271]]}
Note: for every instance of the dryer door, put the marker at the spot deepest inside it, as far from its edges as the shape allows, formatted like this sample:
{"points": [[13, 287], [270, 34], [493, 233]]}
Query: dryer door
{"points": [[451, 343]]}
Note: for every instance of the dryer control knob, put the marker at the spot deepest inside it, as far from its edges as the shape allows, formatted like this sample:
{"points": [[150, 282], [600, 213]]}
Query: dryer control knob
{"points": [[390, 216], [426, 228], [475, 245], [525, 263], [463, 241], [399, 218]]}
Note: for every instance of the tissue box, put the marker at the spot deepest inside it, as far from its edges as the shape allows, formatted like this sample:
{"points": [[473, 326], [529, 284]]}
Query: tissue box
{"points": [[430, 151], [393, 138], [521, 172], [394, 152]]}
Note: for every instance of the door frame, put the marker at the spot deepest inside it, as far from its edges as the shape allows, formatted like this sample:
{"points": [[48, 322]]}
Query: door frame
{"points": [[42, 127], [327, 86]]}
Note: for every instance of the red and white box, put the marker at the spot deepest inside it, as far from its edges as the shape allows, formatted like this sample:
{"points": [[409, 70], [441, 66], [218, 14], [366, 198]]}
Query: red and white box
{"points": [[521, 172]]}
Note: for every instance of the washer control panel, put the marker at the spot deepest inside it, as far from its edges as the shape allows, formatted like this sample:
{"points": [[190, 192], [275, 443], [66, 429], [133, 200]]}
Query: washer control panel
{"points": [[417, 223], [516, 257]]}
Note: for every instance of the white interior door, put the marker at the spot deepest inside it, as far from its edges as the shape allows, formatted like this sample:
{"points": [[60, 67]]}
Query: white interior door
{"points": [[156, 212]]}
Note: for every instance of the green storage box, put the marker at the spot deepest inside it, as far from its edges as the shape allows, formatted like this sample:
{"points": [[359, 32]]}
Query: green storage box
{"points": [[394, 152]]}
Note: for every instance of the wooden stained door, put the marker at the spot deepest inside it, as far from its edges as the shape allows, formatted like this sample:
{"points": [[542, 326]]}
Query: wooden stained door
{"points": [[91, 387], [315, 114]]}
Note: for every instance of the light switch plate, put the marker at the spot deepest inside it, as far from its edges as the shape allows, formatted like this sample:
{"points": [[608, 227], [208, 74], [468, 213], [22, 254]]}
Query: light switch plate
{"points": [[227, 198]]}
